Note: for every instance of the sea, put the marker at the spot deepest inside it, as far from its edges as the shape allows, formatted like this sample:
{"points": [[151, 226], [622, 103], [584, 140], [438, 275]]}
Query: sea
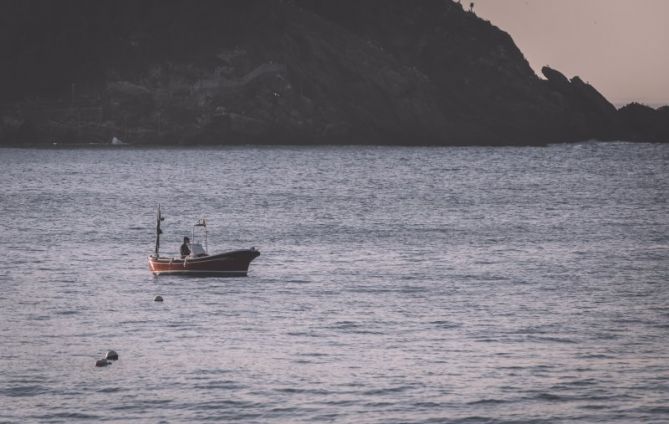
{"points": [[394, 285]]}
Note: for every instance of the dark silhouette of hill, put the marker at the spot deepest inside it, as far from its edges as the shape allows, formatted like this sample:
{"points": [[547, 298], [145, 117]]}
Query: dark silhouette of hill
{"points": [[270, 71]]}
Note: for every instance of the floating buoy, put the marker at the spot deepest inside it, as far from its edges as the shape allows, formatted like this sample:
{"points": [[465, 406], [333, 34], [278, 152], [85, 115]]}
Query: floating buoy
{"points": [[102, 363], [112, 355], [158, 298]]}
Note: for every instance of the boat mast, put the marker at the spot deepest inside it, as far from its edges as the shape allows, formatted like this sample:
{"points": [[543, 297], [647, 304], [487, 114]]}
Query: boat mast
{"points": [[159, 218], [206, 246]]}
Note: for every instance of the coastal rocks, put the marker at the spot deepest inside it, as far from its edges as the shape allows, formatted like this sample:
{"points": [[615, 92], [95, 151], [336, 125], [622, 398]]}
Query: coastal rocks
{"points": [[158, 298], [584, 113], [641, 122], [556, 79], [592, 99]]}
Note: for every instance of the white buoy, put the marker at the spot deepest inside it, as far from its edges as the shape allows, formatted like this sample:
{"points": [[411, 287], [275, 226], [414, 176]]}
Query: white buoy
{"points": [[158, 298], [112, 355]]}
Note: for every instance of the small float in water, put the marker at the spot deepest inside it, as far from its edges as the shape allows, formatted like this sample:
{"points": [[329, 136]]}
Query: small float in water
{"points": [[199, 262]]}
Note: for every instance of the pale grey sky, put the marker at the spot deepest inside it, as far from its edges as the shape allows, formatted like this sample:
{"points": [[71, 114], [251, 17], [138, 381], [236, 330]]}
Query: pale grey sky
{"points": [[621, 47]]}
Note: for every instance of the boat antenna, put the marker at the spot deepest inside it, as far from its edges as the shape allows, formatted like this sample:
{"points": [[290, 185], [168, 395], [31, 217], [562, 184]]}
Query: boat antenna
{"points": [[202, 223], [159, 218]]}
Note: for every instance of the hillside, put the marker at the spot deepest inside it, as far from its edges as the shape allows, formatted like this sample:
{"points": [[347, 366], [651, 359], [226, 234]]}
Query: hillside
{"points": [[305, 71]]}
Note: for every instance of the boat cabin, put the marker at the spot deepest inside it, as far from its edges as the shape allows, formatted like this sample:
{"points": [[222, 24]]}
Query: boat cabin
{"points": [[197, 251]]}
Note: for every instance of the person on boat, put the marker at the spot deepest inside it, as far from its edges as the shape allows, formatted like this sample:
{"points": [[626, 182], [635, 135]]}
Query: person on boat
{"points": [[185, 248]]}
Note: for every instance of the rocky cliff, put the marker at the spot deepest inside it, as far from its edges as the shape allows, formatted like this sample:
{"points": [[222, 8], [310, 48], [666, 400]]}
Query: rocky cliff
{"points": [[271, 71]]}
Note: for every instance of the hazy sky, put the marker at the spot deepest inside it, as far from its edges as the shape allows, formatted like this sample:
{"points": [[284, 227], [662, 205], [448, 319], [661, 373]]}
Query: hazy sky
{"points": [[621, 47]]}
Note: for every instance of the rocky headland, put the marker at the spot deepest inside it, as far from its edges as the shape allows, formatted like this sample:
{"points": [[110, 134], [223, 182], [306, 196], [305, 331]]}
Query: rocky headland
{"points": [[158, 72]]}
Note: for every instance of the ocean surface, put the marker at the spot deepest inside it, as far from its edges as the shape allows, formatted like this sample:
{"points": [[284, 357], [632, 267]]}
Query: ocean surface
{"points": [[395, 285]]}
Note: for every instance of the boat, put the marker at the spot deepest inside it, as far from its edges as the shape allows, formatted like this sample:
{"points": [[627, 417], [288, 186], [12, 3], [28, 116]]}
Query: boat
{"points": [[233, 263]]}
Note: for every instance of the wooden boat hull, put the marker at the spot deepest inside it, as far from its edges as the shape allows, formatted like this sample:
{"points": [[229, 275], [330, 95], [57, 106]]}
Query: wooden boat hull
{"points": [[234, 263]]}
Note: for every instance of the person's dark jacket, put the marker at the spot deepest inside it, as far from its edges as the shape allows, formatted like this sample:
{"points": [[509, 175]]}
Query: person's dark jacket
{"points": [[185, 251]]}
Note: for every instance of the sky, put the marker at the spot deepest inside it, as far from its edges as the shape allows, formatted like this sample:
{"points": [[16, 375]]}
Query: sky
{"points": [[621, 47]]}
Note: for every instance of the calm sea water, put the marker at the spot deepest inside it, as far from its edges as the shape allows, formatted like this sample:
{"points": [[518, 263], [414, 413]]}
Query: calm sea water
{"points": [[395, 285]]}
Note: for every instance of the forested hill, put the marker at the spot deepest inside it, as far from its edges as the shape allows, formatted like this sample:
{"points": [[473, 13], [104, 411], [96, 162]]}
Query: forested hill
{"points": [[271, 71]]}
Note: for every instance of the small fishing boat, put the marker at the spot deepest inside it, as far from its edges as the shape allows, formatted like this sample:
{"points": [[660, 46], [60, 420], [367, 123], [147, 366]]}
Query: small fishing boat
{"points": [[199, 262]]}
